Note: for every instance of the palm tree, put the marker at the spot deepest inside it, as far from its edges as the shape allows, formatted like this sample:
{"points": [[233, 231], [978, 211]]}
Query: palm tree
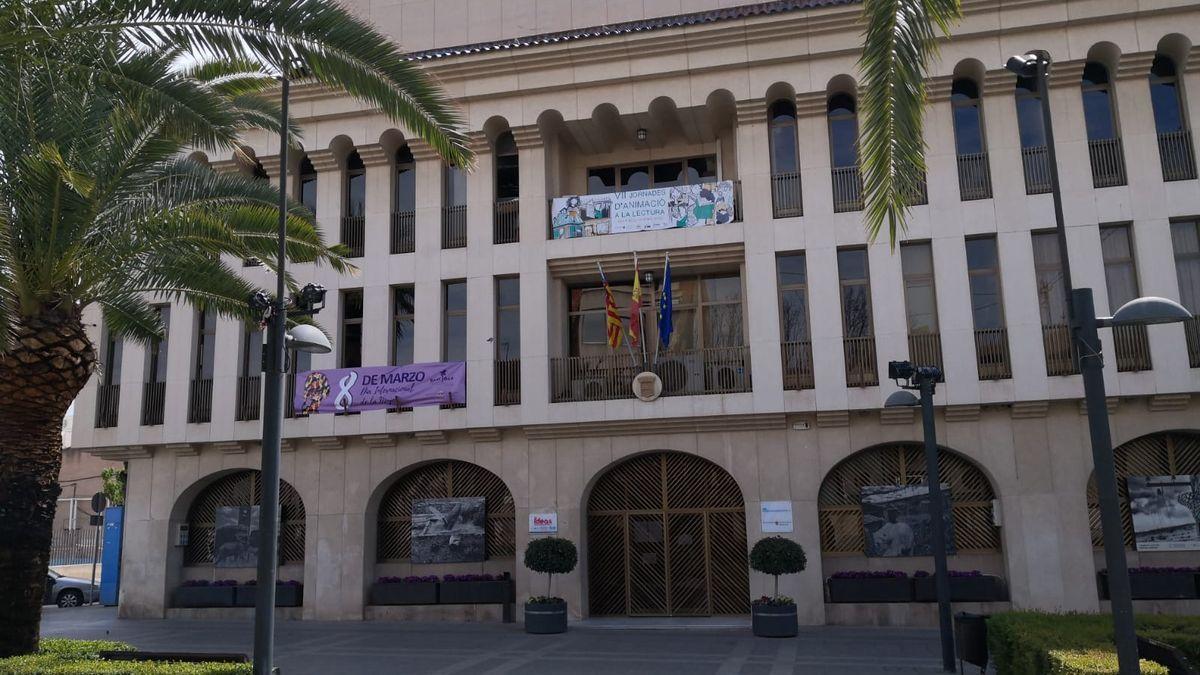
{"points": [[97, 208], [899, 42]]}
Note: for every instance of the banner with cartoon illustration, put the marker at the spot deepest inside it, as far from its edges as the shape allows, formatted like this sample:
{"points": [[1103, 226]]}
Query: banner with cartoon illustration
{"points": [[639, 210], [343, 390]]}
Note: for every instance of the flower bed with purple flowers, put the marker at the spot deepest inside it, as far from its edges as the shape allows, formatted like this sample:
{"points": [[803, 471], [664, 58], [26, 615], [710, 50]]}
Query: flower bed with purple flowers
{"points": [[288, 593], [965, 586], [205, 593], [870, 586], [1158, 583], [450, 589]]}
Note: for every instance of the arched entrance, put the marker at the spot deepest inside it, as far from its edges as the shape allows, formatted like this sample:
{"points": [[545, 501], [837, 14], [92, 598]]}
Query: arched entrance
{"points": [[667, 537], [243, 488]]}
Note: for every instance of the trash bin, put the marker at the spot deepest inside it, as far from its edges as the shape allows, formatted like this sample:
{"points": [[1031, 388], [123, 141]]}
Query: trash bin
{"points": [[970, 638]]}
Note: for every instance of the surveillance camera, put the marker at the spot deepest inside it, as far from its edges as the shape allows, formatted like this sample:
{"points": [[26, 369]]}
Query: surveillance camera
{"points": [[1023, 65], [900, 370]]}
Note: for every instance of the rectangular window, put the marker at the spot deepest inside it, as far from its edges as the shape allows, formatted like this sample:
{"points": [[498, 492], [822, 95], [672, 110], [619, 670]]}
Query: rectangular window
{"points": [[456, 186], [206, 344], [406, 184], [249, 382], [983, 275], [1132, 344], [110, 362], [454, 321], [508, 318], [252, 351], [1051, 290], [793, 297], [403, 325], [308, 191], [156, 349], [855, 282], [1185, 238], [920, 298], [352, 327], [356, 193], [666, 173]]}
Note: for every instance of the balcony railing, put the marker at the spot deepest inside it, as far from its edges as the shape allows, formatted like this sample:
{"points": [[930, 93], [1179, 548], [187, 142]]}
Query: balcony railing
{"points": [[847, 189], [861, 367], [926, 350], [154, 401], [1177, 154], [974, 177], [991, 354], [289, 394], [797, 365], [248, 389], [720, 370], [200, 401], [1191, 330], [404, 232], [108, 403], [1060, 350], [1036, 163], [506, 221], [919, 195], [454, 226], [354, 233], [1133, 348], [508, 382], [786, 199], [1108, 162]]}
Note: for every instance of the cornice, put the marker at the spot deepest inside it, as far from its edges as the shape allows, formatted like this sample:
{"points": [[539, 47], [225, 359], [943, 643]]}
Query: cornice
{"points": [[716, 424], [622, 263], [122, 452]]}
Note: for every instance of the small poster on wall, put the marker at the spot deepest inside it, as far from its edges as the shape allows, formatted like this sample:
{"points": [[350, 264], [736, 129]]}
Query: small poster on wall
{"points": [[1165, 512], [776, 516], [448, 530], [896, 520], [235, 541], [543, 523]]}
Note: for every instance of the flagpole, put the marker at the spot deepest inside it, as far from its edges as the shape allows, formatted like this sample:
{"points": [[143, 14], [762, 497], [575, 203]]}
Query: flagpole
{"points": [[658, 312], [641, 324], [604, 280]]}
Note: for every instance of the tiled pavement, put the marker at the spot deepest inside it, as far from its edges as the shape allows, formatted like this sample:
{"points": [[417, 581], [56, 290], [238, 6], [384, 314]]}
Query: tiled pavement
{"points": [[304, 647]]}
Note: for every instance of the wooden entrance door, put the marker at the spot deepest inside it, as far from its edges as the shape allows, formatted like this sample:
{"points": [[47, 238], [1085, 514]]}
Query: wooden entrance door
{"points": [[667, 537]]}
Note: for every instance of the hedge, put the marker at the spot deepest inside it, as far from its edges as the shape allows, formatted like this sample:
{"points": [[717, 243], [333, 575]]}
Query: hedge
{"points": [[57, 656], [1035, 643]]}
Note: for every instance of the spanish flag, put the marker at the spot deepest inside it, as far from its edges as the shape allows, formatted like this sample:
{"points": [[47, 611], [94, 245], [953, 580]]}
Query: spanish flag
{"points": [[635, 308], [612, 318]]}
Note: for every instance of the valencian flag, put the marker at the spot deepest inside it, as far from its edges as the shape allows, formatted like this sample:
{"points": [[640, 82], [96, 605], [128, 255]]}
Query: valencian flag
{"points": [[611, 318], [665, 306], [635, 308]]}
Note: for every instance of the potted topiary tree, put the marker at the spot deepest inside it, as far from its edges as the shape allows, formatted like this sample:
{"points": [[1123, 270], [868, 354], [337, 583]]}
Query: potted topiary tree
{"points": [[548, 555], [776, 616]]}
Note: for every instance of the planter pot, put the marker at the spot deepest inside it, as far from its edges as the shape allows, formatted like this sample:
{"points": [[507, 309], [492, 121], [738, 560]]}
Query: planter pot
{"points": [[476, 592], [286, 595], [422, 593], [970, 638], [1166, 586], [987, 588], [204, 596], [870, 590], [546, 618], [774, 620]]}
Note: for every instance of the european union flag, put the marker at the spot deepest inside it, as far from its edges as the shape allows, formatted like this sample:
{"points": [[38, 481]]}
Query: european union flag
{"points": [[665, 326]]}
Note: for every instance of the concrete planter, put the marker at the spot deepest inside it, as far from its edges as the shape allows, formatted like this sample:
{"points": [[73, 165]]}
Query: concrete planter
{"points": [[1158, 586], [476, 592], [420, 593], [286, 595], [774, 621], [886, 589], [204, 596], [986, 588], [546, 618]]}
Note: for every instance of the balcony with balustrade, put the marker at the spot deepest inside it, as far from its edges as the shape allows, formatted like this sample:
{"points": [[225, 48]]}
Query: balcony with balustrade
{"points": [[108, 404], [787, 200], [1108, 162], [154, 401], [1061, 355], [717, 370], [1035, 161], [200, 401], [1132, 346], [506, 221], [353, 235], [454, 226], [925, 349], [847, 189], [862, 369], [1191, 330], [974, 177], [797, 365], [248, 400], [991, 354], [403, 232], [1177, 155]]}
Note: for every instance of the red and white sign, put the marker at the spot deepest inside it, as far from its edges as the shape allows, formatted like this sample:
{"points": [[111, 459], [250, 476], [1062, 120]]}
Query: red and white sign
{"points": [[543, 523]]}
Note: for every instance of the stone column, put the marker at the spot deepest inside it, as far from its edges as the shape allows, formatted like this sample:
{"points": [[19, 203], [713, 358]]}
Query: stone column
{"points": [[535, 281], [427, 289]]}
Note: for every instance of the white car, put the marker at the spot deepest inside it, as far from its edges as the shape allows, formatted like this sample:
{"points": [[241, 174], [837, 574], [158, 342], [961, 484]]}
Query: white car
{"points": [[69, 591]]}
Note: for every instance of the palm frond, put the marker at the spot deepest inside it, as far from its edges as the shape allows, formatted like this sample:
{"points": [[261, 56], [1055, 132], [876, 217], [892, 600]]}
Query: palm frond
{"points": [[899, 42]]}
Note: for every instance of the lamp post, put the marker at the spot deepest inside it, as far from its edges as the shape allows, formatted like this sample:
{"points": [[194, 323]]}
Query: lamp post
{"points": [[924, 379], [275, 309], [1084, 324]]}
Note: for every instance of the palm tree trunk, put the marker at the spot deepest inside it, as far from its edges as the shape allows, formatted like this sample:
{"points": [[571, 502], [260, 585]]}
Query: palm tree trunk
{"points": [[50, 360]]}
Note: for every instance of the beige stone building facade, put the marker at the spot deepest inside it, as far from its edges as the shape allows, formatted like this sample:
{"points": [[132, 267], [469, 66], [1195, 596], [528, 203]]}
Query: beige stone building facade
{"points": [[785, 316]]}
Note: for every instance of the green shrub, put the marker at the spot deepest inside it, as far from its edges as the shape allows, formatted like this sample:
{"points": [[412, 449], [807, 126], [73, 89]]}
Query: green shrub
{"points": [[777, 555], [60, 656], [1022, 643], [1094, 662], [550, 556]]}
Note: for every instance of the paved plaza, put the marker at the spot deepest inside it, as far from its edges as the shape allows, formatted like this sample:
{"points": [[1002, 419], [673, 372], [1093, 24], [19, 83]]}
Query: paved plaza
{"points": [[310, 647]]}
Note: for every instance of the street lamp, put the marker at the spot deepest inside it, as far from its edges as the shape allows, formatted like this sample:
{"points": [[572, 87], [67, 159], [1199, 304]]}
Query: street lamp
{"points": [[1084, 324], [924, 379], [303, 338]]}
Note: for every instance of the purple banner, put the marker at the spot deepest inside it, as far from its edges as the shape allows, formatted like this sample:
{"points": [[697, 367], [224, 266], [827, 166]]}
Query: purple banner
{"points": [[354, 389]]}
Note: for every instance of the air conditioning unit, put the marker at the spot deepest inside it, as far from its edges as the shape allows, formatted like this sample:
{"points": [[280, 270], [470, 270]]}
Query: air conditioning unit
{"points": [[727, 377], [682, 374], [589, 388]]}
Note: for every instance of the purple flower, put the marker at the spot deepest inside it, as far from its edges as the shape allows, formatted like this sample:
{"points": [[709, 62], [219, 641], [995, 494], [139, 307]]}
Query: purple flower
{"points": [[195, 583], [468, 577], [922, 574], [870, 574], [1160, 570], [407, 580]]}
